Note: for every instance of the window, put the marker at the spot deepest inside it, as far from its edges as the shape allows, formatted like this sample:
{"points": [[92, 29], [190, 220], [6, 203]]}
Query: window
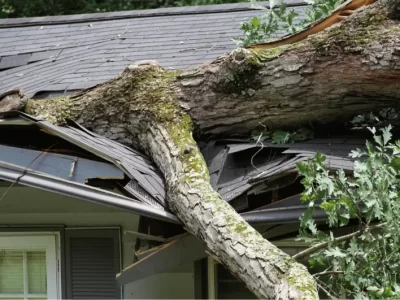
{"points": [[28, 267]]}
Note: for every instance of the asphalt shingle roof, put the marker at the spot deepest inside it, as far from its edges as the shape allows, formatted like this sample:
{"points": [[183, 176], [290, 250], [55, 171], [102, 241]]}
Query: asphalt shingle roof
{"points": [[57, 54]]}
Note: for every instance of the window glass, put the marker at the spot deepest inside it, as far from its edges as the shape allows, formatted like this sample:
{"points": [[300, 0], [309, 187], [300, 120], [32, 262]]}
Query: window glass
{"points": [[11, 272], [23, 273], [37, 280]]}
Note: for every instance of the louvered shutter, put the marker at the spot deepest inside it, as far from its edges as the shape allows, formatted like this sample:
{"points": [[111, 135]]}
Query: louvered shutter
{"points": [[92, 261]]}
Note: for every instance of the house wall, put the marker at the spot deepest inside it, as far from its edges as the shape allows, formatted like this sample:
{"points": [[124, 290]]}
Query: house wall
{"points": [[27, 206]]}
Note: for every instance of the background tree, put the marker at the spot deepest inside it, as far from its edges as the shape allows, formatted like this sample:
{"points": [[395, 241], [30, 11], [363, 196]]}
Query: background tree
{"points": [[22, 8]]}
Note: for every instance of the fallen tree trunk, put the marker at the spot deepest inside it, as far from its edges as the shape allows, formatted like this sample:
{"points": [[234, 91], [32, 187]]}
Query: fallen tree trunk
{"points": [[351, 68]]}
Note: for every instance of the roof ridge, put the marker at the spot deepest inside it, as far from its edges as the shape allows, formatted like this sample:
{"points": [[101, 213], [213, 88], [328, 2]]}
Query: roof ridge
{"points": [[170, 11]]}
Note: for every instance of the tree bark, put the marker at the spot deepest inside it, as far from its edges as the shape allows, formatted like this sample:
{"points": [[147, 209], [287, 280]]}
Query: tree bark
{"points": [[351, 68]]}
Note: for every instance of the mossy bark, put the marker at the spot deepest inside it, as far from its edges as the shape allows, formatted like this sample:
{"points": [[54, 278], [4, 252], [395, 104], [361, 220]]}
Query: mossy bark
{"points": [[351, 68]]}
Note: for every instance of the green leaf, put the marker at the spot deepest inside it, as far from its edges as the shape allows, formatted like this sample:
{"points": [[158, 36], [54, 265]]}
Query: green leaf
{"points": [[386, 134], [320, 158], [373, 130], [280, 137], [307, 221], [344, 219], [259, 135], [378, 139], [335, 252], [327, 206], [255, 22], [303, 168], [395, 163]]}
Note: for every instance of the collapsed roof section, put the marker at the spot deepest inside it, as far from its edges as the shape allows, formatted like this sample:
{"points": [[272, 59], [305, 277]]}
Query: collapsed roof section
{"points": [[250, 176], [72, 160], [259, 181]]}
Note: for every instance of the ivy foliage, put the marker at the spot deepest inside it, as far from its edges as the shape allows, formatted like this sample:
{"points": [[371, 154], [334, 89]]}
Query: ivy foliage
{"points": [[366, 265], [275, 19]]}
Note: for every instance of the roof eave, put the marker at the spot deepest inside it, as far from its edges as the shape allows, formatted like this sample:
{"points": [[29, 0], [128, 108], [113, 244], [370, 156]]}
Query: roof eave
{"points": [[16, 174]]}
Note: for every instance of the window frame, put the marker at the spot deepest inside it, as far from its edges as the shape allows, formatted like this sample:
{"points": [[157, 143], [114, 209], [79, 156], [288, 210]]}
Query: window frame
{"points": [[26, 241]]}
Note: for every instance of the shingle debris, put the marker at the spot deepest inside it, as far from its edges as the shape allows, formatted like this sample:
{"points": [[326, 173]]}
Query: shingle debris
{"points": [[146, 181], [237, 168]]}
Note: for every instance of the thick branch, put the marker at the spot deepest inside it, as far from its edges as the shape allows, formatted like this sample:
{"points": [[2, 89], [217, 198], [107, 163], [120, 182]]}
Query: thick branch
{"points": [[353, 67], [343, 238]]}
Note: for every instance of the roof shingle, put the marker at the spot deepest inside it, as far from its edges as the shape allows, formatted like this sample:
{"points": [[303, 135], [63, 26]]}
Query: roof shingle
{"points": [[76, 52]]}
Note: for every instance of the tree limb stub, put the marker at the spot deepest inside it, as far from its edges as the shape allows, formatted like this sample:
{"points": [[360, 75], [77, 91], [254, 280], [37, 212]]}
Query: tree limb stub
{"points": [[12, 100], [351, 68]]}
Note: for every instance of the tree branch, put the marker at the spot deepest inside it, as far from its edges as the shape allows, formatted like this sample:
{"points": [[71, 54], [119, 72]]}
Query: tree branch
{"points": [[328, 273], [322, 245], [326, 292]]}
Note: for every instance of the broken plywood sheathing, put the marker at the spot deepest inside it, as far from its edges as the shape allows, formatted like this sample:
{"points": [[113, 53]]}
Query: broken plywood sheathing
{"points": [[164, 258]]}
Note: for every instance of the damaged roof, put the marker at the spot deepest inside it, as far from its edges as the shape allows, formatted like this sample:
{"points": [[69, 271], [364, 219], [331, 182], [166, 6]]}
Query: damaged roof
{"points": [[48, 56], [143, 185], [240, 170], [259, 181], [69, 53]]}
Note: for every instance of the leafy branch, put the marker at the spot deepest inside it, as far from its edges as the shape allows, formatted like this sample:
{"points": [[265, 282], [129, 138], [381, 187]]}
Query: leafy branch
{"points": [[262, 28], [324, 245], [366, 263]]}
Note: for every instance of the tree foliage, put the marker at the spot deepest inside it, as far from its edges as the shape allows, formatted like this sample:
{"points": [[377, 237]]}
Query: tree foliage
{"points": [[366, 263], [263, 28], [22, 8]]}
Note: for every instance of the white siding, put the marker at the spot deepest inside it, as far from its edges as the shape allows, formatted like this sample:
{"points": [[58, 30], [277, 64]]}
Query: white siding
{"points": [[27, 206]]}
